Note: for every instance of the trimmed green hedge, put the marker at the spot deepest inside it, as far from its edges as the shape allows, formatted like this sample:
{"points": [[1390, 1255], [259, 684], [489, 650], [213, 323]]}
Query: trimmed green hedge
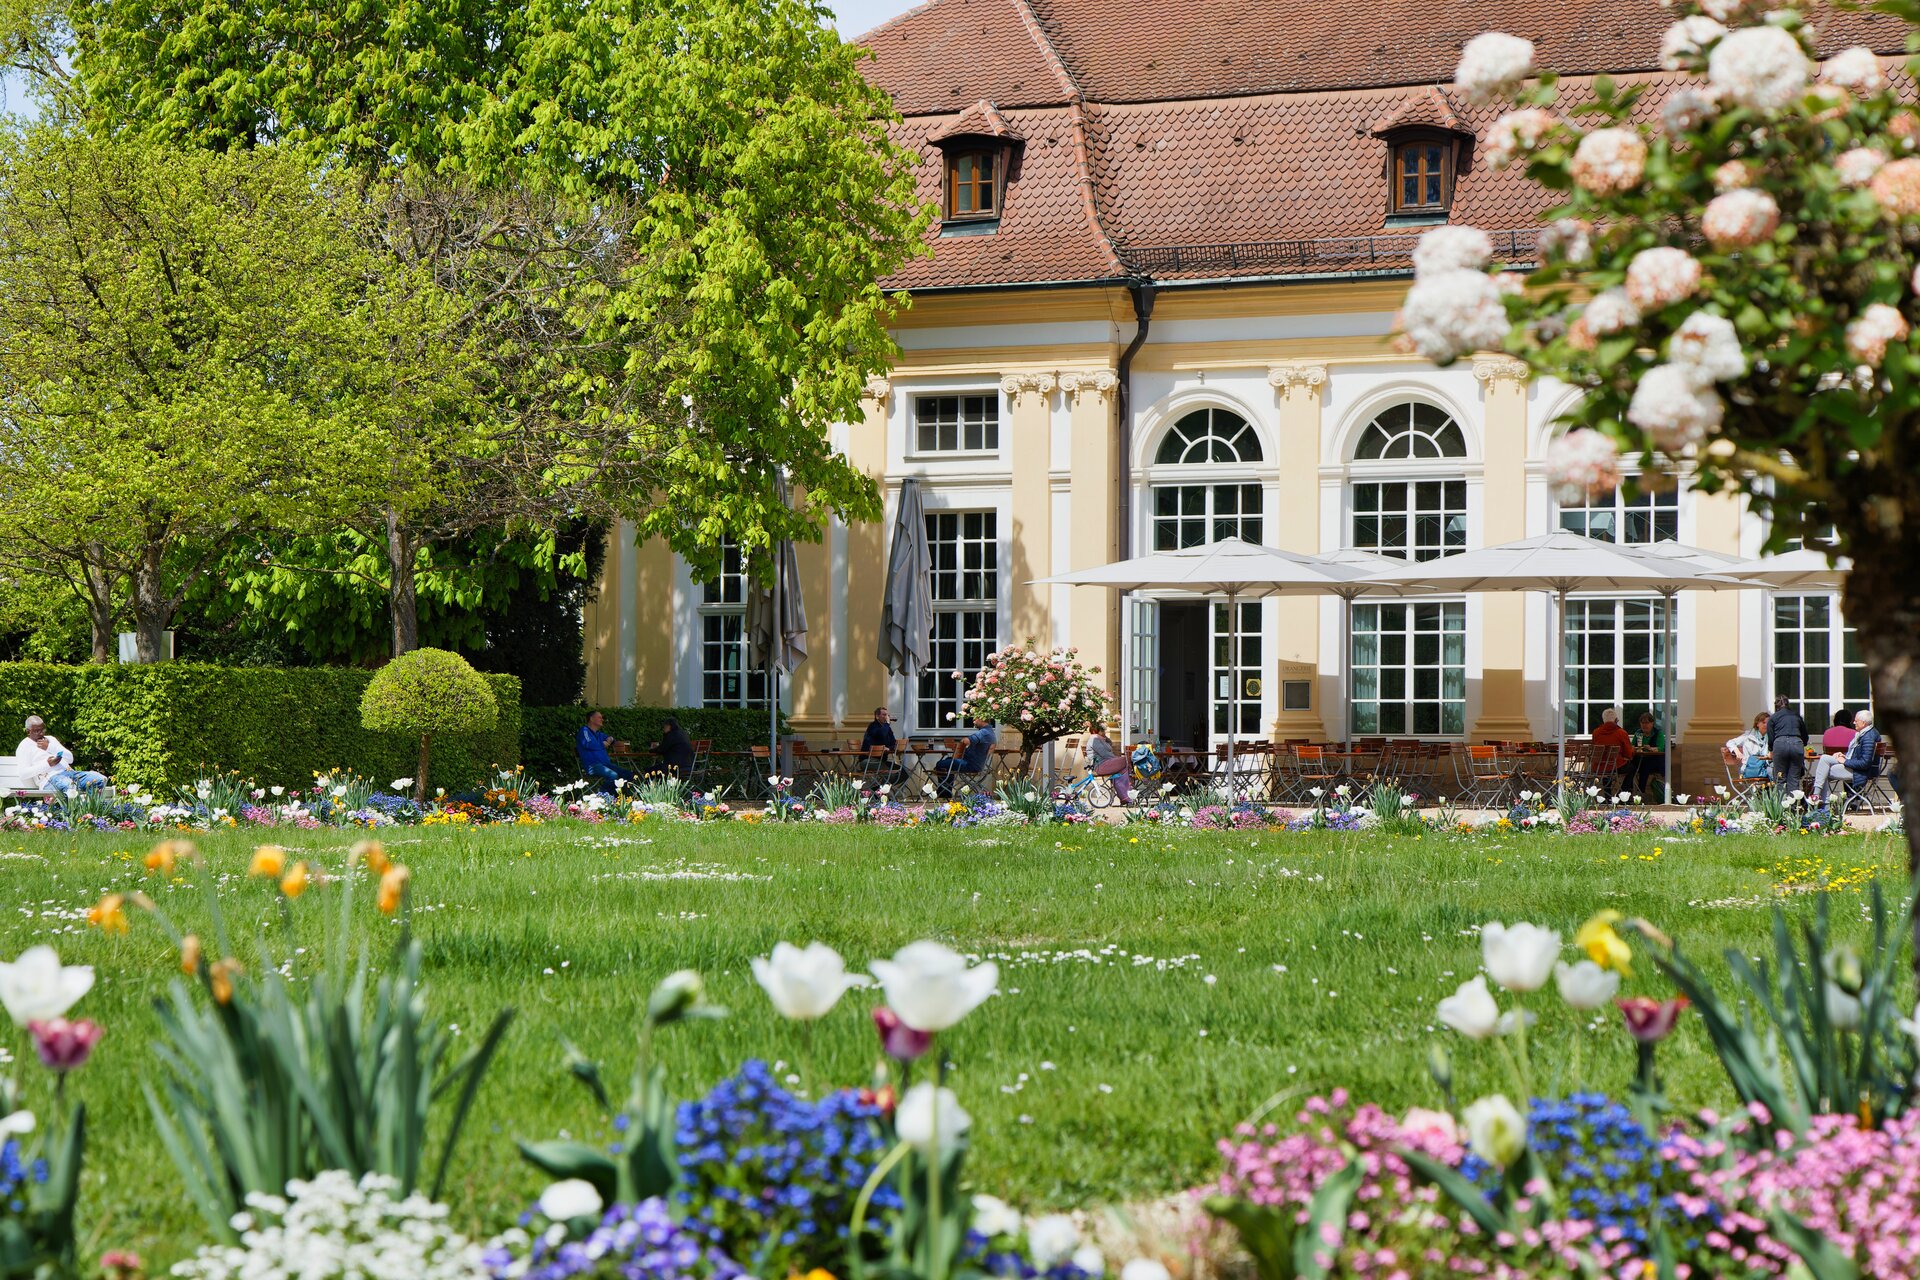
{"points": [[546, 733], [171, 722]]}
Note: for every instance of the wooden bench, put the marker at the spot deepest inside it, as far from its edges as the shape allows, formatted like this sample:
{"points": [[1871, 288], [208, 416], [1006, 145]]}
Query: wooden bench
{"points": [[13, 784]]}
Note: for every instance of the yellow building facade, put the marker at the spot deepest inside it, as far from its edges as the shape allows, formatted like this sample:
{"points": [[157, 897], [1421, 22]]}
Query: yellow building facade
{"points": [[1052, 427]]}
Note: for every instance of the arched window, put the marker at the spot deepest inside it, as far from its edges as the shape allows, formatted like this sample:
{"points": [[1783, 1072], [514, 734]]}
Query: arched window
{"points": [[1411, 430], [1209, 435]]}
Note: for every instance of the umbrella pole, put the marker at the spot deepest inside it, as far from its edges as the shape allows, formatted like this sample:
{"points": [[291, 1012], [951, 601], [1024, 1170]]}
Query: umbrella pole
{"points": [[1668, 672], [1557, 692], [1345, 732], [1233, 684]]}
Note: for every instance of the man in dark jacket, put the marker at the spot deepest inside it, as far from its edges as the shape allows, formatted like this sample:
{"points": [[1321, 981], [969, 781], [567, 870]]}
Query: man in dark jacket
{"points": [[675, 749], [1787, 740], [1861, 763]]}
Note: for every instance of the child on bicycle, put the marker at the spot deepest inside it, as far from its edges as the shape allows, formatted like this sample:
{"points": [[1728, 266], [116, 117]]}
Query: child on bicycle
{"points": [[1108, 763]]}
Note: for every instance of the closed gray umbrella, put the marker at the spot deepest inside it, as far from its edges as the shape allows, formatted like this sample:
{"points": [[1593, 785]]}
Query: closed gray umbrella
{"points": [[906, 601]]}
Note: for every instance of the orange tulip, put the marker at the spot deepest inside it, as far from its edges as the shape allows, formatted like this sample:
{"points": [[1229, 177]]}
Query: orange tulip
{"points": [[393, 887], [269, 860], [190, 954], [373, 855], [295, 882], [221, 976]]}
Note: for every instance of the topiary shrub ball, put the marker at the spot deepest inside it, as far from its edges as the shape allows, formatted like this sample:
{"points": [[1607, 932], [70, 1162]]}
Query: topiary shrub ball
{"points": [[425, 692]]}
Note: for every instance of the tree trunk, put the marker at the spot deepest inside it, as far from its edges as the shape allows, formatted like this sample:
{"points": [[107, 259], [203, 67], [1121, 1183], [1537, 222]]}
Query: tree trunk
{"points": [[402, 602], [1883, 606], [420, 779], [100, 614], [152, 608]]}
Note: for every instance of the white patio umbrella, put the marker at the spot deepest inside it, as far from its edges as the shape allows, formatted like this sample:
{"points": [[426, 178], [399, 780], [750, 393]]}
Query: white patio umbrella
{"points": [[1563, 563], [1232, 568]]}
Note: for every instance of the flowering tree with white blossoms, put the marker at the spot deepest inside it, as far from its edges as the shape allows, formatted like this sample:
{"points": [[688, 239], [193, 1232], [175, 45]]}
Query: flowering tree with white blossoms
{"points": [[1045, 695], [1730, 279]]}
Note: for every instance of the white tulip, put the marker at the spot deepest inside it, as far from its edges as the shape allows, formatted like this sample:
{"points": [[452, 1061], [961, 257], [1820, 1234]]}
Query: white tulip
{"points": [[994, 1217], [18, 1124], [930, 986], [1912, 1027], [1089, 1259], [569, 1199], [1496, 1132], [804, 984], [1520, 958], [1145, 1269], [1051, 1240], [1586, 986], [37, 987], [1843, 1010], [1471, 1010], [913, 1119], [1512, 1020]]}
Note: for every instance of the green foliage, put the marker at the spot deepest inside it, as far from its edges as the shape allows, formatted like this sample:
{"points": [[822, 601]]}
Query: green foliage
{"points": [[192, 343], [171, 723], [428, 691], [547, 733], [766, 200], [265, 1079], [37, 1237]]}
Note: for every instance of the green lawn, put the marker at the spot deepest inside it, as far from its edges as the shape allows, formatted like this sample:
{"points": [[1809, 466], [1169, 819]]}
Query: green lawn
{"points": [[1155, 988]]}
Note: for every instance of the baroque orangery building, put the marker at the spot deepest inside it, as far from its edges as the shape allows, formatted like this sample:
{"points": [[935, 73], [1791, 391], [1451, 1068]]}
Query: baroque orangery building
{"points": [[1159, 311]]}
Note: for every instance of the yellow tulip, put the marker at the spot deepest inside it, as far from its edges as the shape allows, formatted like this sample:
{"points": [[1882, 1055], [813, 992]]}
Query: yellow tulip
{"points": [[295, 882], [107, 916], [1603, 946], [393, 887], [164, 856], [269, 860]]}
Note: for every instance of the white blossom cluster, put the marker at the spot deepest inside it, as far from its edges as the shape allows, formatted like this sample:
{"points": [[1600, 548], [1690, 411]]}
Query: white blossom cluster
{"points": [[1516, 135], [1739, 219], [332, 1228], [1454, 307], [1661, 277], [1857, 165], [1492, 65], [1763, 68], [1581, 464], [1608, 161], [1869, 333], [1686, 40], [1856, 70]]}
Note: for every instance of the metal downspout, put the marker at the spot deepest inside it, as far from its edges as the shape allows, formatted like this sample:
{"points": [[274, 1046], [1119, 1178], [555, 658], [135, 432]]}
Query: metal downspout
{"points": [[1142, 293]]}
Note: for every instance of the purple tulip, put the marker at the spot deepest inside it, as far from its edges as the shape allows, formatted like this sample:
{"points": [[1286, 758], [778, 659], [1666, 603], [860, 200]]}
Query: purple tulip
{"points": [[900, 1041], [62, 1045]]}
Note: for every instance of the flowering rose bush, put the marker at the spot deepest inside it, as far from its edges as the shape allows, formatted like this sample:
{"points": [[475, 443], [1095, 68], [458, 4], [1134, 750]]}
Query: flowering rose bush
{"points": [[1044, 694], [1731, 282]]}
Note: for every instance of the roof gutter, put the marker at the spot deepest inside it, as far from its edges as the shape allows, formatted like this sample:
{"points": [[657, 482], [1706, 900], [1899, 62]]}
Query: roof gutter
{"points": [[1142, 292]]}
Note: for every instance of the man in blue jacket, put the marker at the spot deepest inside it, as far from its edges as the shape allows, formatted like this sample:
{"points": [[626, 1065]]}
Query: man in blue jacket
{"points": [[1860, 764], [972, 761], [591, 744]]}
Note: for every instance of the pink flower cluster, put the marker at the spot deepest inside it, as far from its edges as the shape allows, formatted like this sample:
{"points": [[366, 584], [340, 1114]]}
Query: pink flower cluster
{"points": [[1858, 1187]]}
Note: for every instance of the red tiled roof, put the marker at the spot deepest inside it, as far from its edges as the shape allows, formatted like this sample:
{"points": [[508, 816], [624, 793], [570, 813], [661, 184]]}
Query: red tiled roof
{"points": [[980, 120], [1217, 138]]}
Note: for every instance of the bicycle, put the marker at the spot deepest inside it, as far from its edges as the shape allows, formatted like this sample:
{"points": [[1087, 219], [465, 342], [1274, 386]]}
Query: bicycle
{"points": [[1092, 791]]}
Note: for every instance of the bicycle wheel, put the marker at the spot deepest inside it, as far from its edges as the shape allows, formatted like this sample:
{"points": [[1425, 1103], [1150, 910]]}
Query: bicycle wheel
{"points": [[1100, 793]]}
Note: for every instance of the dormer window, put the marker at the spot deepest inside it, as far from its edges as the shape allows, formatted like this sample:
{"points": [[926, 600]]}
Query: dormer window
{"points": [[1426, 147], [1423, 176], [973, 184], [978, 151]]}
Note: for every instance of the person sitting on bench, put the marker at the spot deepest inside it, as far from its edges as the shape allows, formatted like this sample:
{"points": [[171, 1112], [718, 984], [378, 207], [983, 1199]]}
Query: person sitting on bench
{"points": [[1859, 766], [591, 745], [46, 765]]}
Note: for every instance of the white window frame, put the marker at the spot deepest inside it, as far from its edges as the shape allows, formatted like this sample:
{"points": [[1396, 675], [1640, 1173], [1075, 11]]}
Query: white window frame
{"points": [[1409, 665], [991, 395], [720, 610], [930, 710], [1836, 665], [1579, 711], [1621, 509]]}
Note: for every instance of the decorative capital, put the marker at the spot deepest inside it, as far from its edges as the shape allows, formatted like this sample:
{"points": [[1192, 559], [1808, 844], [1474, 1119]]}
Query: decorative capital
{"points": [[1099, 382], [1307, 377], [1015, 385], [878, 389], [1492, 369]]}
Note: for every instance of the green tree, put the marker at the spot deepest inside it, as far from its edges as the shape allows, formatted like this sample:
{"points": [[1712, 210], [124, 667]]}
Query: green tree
{"points": [[1730, 280], [193, 343], [694, 309], [426, 693]]}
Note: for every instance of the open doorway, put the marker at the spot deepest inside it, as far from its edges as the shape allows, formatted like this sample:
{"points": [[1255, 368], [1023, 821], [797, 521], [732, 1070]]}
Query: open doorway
{"points": [[1186, 645]]}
